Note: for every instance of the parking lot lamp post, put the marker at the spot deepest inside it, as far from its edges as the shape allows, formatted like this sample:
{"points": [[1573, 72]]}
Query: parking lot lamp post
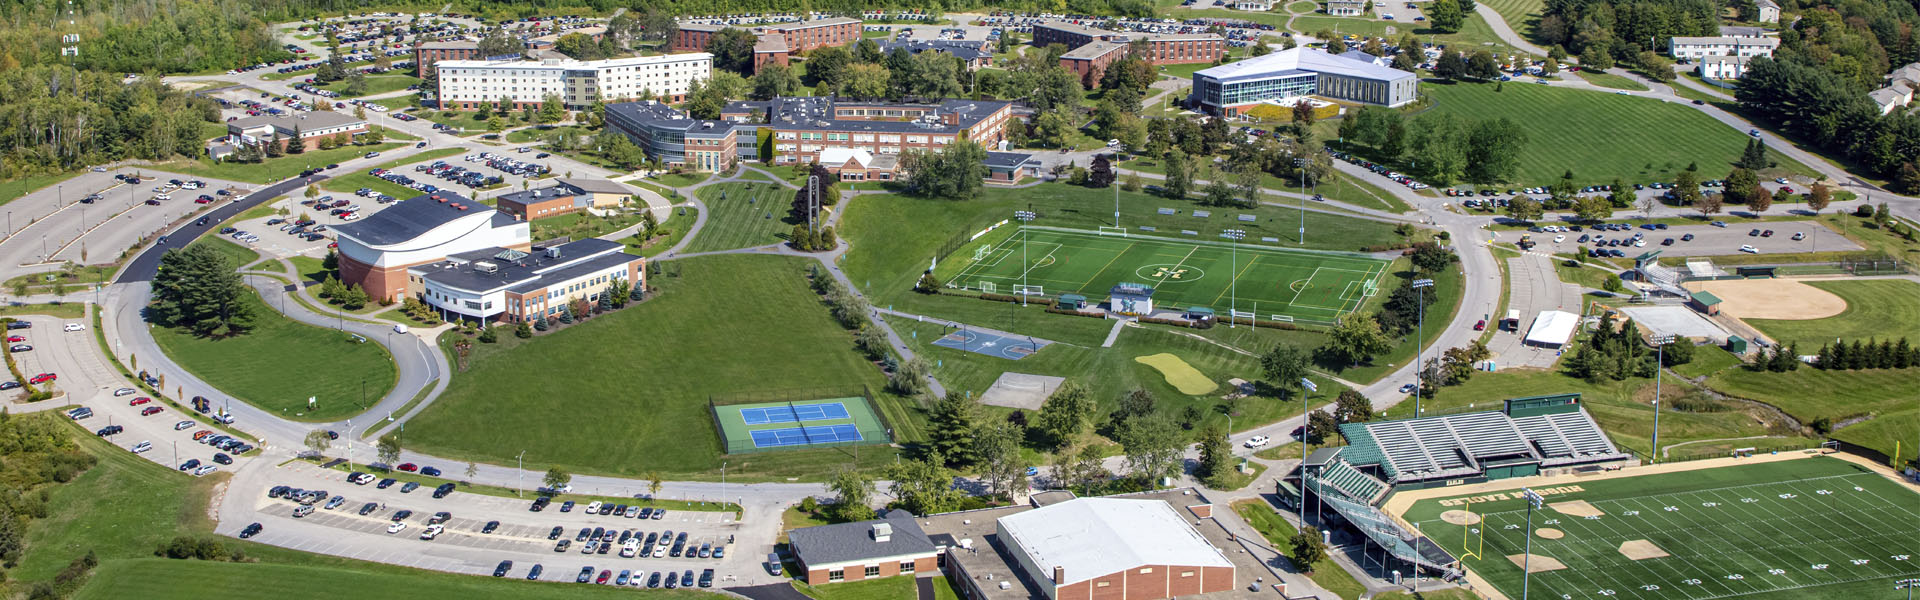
{"points": [[521, 471], [1420, 341], [1526, 568], [1025, 217], [1301, 164], [1661, 364], [1233, 277]]}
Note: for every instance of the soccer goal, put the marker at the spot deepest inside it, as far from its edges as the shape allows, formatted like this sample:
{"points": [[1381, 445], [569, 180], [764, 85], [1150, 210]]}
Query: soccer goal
{"points": [[981, 253], [988, 287], [1114, 231], [1028, 290], [1368, 288]]}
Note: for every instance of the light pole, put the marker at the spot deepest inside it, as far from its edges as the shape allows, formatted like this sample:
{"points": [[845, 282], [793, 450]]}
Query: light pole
{"points": [[521, 471], [1661, 363], [1025, 217], [1233, 279], [1420, 340], [1306, 385], [1908, 585], [1526, 564], [1301, 163]]}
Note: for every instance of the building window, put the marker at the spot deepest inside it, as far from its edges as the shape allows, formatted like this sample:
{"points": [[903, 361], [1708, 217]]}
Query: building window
{"points": [[906, 566], [1146, 570], [836, 575], [1103, 584], [1186, 574], [873, 571]]}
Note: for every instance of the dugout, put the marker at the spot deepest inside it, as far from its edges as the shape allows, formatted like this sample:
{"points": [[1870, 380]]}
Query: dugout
{"points": [[1756, 272], [1071, 302], [1705, 302], [1737, 344]]}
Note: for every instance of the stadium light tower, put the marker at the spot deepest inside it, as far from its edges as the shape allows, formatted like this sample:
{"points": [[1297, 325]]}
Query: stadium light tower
{"points": [[1420, 341], [1661, 344], [1908, 585], [1526, 568], [1301, 164], [1233, 278], [1025, 217]]}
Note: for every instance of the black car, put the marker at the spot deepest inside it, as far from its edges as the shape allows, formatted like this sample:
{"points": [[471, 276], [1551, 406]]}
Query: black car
{"points": [[501, 570], [586, 574], [430, 471], [386, 483], [566, 506], [202, 221], [402, 515], [706, 578], [491, 525], [604, 547], [109, 430], [686, 579], [217, 457], [583, 535], [540, 504], [556, 533], [190, 464], [8, 385], [440, 517], [409, 487], [533, 574], [368, 508], [443, 490], [250, 531], [653, 581], [597, 533]]}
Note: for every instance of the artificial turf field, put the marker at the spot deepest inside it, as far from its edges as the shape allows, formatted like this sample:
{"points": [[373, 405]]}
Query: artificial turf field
{"points": [[1274, 284], [1818, 528]]}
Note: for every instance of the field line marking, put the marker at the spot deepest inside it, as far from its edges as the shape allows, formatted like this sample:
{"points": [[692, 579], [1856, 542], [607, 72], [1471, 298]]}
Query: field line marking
{"points": [[1176, 267], [1296, 293], [1236, 277], [1103, 268]]}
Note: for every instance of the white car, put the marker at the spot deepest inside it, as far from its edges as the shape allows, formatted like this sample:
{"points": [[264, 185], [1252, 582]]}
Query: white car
{"points": [[74, 327], [183, 425], [142, 447], [1749, 249], [1559, 238], [124, 392], [433, 531], [396, 527], [1258, 441], [205, 469]]}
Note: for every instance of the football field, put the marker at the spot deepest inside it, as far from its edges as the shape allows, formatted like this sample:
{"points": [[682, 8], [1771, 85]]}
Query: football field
{"points": [[1272, 283], [1818, 528]]}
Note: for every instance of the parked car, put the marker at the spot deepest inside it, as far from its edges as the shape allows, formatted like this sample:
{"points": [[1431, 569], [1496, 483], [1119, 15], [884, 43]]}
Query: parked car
{"points": [[1258, 441]]}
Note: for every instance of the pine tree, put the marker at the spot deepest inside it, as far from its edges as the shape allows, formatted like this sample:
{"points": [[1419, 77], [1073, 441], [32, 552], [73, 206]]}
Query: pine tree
{"points": [[950, 428], [297, 144], [1902, 354], [1826, 357]]}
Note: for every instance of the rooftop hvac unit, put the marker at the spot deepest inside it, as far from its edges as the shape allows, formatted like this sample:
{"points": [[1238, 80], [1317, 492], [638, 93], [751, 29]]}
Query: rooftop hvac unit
{"points": [[553, 252], [485, 267]]}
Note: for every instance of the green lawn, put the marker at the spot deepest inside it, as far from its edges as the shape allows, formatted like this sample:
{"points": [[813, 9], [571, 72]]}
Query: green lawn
{"points": [[1810, 394], [680, 179], [376, 84], [1521, 15], [274, 366], [1474, 32], [890, 588], [1644, 140], [308, 268], [84, 276], [1611, 81], [1772, 530], [65, 310], [235, 253], [1261, 516], [1446, 594], [161, 579], [663, 367], [581, 225], [668, 233], [1876, 308], [1340, 187], [1707, 360], [530, 134], [276, 169], [744, 215]]}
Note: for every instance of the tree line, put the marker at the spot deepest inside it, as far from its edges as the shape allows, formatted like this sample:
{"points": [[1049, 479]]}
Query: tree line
{"points": [[62, 119], [1437, 147]]}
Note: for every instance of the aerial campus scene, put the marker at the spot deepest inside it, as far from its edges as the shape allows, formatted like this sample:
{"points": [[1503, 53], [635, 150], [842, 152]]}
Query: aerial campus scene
{"points": [[899, 299]]}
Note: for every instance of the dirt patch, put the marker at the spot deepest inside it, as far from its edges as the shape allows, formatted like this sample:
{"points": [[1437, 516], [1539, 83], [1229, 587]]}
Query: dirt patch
{"points": [[1540, 564], [1460, 517], [1575, 508], [1549, 533], [1642, 550], [1772, 298]]}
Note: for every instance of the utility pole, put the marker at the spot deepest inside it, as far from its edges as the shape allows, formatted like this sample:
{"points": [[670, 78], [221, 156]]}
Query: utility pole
{"points": [[1420, 340], [1526, 564], [1660, 343], [1233, 279]]}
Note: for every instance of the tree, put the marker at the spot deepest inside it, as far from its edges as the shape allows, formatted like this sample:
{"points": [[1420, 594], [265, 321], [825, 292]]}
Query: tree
{"points": [[1493, 150], [1656, 67], [1356, 338], [1882, 216], [1740, 184], [1101, 174], [1819, 198], [924, 486], [1307, 547], [388, 448], [1446, 16], [732, 49], [1760, 200], [1676, 352], [996, 448], [1596, 58], [318, 441], [1260, 47], [1216, 454], [1321, 427], [775, 80], [1430, 257], [1352, 407], [1754, 158], [852, 490], [1136, 403], [498, 43], [1179, 181], [1218, 193], [1593, 208], [357, 84], [1153, 445], [197, 289], [552, 109], [950, 428], [1709, 204], [1562, 191], [297, 143], [1686, 187], [1284, 365], [1524, 208], [556, 479], [1482, 65], [953, 174], [1065, 414]]}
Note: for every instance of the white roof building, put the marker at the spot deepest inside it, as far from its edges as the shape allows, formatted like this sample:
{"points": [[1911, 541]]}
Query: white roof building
{"points": [[577, 83], [1700, 47], [1302, 71], [1552, 328], [1096, 542]]}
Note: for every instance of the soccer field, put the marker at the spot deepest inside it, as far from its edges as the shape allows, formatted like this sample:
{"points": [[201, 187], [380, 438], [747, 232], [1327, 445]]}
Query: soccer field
{"points": [[1273, 283], [1813, 528]]}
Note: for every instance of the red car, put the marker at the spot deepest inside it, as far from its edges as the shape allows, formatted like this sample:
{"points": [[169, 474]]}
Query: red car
{"points": [[43, 378], [150, 411], [1481, 326], [139, 401], [603, 576], [16, 338], [408, 467]]}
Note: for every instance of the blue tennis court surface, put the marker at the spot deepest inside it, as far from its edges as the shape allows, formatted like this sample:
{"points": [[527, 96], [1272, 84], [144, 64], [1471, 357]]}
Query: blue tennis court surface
{"points": [[794, 414], [990, 344], [795, 436]]}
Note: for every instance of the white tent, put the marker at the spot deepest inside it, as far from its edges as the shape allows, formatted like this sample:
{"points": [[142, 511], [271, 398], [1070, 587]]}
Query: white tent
{"points": [[1552, 328]]}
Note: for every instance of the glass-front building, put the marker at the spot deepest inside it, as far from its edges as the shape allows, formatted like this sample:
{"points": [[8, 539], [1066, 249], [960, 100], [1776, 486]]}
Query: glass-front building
{"points": [[1227, 89]]}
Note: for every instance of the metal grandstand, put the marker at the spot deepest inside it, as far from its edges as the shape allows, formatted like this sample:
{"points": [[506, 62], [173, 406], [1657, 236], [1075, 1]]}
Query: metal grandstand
{"points": [[1478, 446], [1408, 546], [1662, 278]]}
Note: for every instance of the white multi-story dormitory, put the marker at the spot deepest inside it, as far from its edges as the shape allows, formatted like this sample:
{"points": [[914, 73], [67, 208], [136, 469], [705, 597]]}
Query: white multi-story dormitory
{"points": [[1702, 47], [469, 84]]}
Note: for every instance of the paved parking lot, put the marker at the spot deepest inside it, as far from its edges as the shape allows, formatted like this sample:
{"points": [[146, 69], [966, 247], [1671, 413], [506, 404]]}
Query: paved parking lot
{"points": [[1533, 287], [51, 226], [1708, 240]]}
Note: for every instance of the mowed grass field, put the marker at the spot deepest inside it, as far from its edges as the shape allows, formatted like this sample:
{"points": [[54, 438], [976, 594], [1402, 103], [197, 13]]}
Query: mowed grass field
{"points": [[1814, 528], [281, 362], [1598, 136], [1886, 309], [626, 392], [743, 215], [1302, 286], [1522, 15], [162, 579]]}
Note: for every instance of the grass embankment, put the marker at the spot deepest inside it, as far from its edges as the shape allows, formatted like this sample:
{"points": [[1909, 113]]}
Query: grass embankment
{"points": [[1261, 517], [275, 169], [235, 253], [273, 366], [663, 370], [669, 233], [1611, 81], [14, 188], [376, 84], [744, 215]]}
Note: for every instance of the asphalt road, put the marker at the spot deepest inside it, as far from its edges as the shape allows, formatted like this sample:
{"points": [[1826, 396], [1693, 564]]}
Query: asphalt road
{"points": [[143, 267]]}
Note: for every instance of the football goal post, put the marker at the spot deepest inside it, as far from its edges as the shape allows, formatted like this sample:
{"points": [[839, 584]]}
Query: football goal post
{"points": [[1114, 231]]}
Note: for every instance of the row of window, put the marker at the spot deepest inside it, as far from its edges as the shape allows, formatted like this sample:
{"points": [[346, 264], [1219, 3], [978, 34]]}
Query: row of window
{"points": [[906, 566]]}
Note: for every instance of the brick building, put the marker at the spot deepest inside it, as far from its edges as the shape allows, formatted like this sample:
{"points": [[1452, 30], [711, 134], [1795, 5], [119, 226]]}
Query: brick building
{"points": [[1122, 549], [427, 53], [792, 130], [309, 127], [863, 550], [1091, 50], [564, 197], [376, 252], [511, 285], [777, 42]]}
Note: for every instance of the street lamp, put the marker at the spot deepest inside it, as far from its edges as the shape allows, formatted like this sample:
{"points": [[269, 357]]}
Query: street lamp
{"points": [[1233, 279], [1661, 344], [1301, 163], [1526, 568], [1025, 217], [521, 471], [1306, 387], [1420, 340]]}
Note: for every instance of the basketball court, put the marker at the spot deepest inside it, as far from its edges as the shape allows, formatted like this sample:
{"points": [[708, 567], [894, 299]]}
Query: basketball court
{"points": [[990, 344]]}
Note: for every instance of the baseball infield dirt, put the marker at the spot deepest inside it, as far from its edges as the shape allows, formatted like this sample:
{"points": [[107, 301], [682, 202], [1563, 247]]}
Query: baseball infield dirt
{"points": [[1549, 533], [1772, 298], [1460, 517], [1541, 564], [1575, 508], [1642, 550]]}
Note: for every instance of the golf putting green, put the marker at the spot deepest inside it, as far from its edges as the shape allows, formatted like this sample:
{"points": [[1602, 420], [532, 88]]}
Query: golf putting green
{"points": [[1182, 376]]}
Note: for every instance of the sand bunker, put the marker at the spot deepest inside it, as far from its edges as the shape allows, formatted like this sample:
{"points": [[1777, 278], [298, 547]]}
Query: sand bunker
{"points": [[1549, 533], [1575, 508], [1460, 517], [1642, 550], [1540, 563], [1772, 298]]}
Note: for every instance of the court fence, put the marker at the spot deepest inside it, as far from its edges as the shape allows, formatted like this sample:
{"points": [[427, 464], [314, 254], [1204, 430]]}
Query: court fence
{"points": [[872, 424]]}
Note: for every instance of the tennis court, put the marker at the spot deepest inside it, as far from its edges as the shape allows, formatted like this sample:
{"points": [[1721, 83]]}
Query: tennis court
{"points": [[802, 422], [1258, 280]]}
